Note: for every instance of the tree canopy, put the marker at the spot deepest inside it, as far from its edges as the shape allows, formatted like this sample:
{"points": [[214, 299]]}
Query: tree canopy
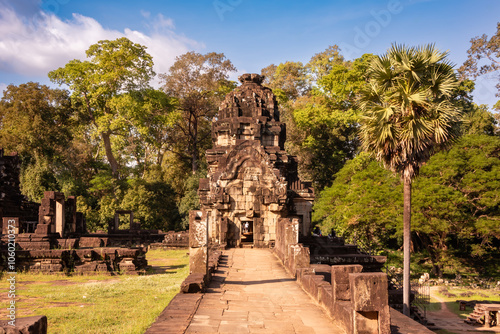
{"points": [[114, 67], [483, 58], [199, 82], [117, 143], [318, 105], [455, 209]]}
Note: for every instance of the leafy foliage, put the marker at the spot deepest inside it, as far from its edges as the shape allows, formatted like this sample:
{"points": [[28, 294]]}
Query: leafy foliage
{"points": [[318, 105], [483, 58], [455, 206], [456, 203], [113, 67], [362, 204], [153, 204], [199, 82], [407, 112], [32, 115]]}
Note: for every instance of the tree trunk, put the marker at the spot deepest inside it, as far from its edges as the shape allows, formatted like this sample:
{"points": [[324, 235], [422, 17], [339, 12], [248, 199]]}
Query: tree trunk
{"points": [[428, 244], [194, 152], [109, 154], [406, 245]]}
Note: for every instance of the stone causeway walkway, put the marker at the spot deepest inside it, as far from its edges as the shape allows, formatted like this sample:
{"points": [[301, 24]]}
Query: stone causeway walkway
{"points": [[252, 293]]}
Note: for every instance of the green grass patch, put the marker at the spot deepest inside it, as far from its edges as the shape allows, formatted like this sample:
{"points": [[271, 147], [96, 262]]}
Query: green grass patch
{"points": [[434, 305], [467, 294], [98, 303]]}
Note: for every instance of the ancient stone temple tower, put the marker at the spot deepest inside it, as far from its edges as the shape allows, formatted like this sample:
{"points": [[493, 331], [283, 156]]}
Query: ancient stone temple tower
{"points": [[251, 182]]}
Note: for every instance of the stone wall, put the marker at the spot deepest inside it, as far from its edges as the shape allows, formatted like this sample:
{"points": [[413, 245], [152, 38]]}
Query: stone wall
{"points": [[176, 239], [83, 260], [358, 300], [251, 179]]}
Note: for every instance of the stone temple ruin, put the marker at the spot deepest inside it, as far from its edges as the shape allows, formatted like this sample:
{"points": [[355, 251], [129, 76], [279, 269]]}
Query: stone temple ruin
{"points": [[251, 182], [253, 197], [52, 236]]}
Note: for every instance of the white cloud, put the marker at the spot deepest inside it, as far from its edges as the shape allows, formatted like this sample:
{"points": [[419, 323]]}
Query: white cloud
{"points": [[42, 44], [161, 22]]}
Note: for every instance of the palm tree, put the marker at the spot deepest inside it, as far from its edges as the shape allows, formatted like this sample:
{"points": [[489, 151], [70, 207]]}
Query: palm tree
{"points": [[407, 116]]}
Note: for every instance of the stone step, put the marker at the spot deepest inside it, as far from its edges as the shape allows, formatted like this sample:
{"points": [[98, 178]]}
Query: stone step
{"points": [[348, 259], [474, 316], [333, 249]]}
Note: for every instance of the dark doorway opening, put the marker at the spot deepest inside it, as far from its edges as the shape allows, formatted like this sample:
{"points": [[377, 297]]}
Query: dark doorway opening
{"points": [[247, 232]]}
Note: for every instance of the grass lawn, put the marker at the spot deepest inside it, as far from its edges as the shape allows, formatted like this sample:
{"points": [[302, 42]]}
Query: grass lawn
{"points": [[463, 293], [434, 305], [100, 304]]}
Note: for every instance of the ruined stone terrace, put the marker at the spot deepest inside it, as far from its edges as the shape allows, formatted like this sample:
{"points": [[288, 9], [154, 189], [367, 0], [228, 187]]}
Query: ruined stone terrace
{"points": [[251, 292]]}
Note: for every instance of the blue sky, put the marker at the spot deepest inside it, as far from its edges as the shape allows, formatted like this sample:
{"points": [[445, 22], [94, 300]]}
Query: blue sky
{"points": [[37, 36]]}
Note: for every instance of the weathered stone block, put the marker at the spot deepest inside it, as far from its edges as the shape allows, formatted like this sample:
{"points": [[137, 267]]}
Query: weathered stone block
{"points": [[67, 243], [197, 230], [28, 325], [42, 229], [194, 283], [340, 280], [302, 272], [368, 291], [369, 298], [325, 297], [301, 258], [10, 224], [342, 314], [319, 283]]}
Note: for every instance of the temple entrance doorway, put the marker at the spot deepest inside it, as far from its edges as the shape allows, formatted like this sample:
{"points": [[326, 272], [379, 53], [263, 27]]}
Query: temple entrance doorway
{"points": [[247, 232]]}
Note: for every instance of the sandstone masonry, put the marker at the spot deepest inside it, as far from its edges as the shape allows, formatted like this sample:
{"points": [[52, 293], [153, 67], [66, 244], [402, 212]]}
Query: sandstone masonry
{"points": [[252, 182]]}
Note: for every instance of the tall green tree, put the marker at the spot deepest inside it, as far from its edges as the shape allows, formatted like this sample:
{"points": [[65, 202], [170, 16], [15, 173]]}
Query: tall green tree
{"points": [[328, 118], [200, 83], [456, 205], [35, 120], [362, 204], [37, 123], [114, 67], [150, 117], [287, 80], [407, 116], [483, 59], [318, 105]]}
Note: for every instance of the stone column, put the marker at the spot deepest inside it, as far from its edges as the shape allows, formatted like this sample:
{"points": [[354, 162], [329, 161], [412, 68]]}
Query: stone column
{"points": [[370, 303], [70, 207], [258, 235], [198, 242], [60, 214], [48, 212], [223, 230], [116, 223]]}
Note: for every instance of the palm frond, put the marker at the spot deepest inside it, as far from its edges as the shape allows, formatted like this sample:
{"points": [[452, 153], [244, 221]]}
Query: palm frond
{"points": [[407, 112]]}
